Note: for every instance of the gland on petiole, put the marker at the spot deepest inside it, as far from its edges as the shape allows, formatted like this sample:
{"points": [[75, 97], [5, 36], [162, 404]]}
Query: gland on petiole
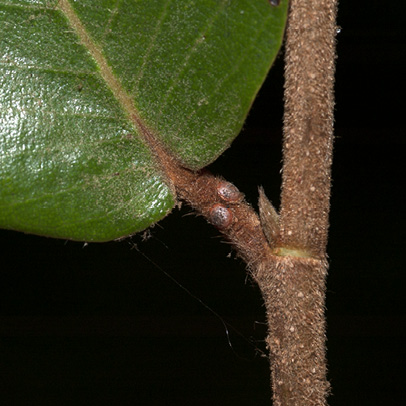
{"points": [[228, 192], [220, 216]]}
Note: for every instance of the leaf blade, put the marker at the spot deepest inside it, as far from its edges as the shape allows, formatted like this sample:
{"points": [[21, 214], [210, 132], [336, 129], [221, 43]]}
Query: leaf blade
{"points": [[72, 164], [75, 163], [195, 102]]}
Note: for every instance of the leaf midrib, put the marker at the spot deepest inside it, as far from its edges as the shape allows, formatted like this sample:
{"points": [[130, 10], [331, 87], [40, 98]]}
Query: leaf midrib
{"points": [[114, 84], [105, 70]]}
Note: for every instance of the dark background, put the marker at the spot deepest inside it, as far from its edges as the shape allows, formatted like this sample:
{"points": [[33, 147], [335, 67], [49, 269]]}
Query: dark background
{"points": [[105, 324]]}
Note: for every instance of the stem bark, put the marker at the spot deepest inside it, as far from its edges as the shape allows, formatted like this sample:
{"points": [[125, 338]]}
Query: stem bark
{"points": [[293, 281]]}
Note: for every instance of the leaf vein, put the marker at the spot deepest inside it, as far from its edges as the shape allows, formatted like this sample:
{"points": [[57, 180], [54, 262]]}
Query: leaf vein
{"points": [[176, 77], [151, 46]]}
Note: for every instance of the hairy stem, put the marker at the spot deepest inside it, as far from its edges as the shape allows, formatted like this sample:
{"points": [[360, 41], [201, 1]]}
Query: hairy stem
{"points": [[308, 125], [293, 282], [293, 289], [286, 253]]}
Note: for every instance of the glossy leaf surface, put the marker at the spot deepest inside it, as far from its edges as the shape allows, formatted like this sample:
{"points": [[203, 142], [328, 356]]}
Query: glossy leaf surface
{"points": [[79, 78]]}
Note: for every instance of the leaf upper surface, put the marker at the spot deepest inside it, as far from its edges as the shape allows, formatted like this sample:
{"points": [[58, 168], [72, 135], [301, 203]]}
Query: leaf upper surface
{"points": [[77, 76]]}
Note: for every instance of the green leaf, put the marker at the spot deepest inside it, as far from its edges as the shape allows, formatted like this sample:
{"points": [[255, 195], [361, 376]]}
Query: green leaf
{"points": [[87, 87]]}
